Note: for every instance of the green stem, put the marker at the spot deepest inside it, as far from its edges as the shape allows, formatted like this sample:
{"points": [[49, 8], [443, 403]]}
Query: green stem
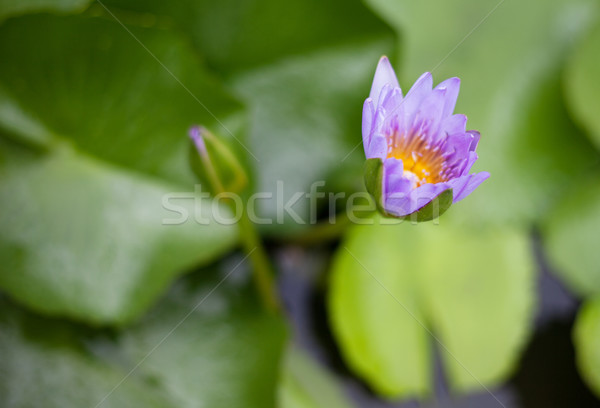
{"points": [[253, 246], [262, 268]]}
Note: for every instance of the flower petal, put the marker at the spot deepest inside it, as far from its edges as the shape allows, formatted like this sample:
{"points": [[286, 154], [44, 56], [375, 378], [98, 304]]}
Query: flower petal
{"points": [[419, 91], [403, 203], [383, 95], [465, 185], [377, 148], [457, 146], [392, 100], [367, 121], [454, 124], [429, 116], [392, 178], [475, 136], [465, 166], [460, 154], [394, 123], [383, 75], [452, 87]]}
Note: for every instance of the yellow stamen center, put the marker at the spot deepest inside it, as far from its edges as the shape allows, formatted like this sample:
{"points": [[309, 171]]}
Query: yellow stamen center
{"points": [[422, 163]]}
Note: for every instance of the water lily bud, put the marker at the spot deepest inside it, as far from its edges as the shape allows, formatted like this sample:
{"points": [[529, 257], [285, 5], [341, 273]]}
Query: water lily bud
{"points": [[214, 162], [418, 151]]}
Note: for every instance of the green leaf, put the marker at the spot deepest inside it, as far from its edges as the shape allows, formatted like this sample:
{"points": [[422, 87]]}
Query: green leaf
{"points": [[208, 343], [86, 240], [582, 86], [236, 36], [225, 350], [43, 364], [509, 57], [83, 232], [9, 8], [305, 384], [571, 234], [304, 69], [396, 286], [586, 337], [394, 358], [92, 84]]}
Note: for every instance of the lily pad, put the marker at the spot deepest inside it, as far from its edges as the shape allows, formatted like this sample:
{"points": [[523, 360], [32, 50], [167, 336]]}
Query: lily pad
{"points": [[43, 363], [224, 349], [571, 237], [86, 240], [582, 85], [92, 84], [201, 346], [306, 384], [397, 290], [87, 203], [586, 337]]}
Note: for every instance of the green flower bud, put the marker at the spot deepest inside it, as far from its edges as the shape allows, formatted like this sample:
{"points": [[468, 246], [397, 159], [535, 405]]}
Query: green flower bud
{"points": [[214, 162]]}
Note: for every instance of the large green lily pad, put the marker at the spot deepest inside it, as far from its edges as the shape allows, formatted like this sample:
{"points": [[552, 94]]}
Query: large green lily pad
{"points": [[202, 345], [398, 290], [98, 157], [582, 85], [571, 237]]}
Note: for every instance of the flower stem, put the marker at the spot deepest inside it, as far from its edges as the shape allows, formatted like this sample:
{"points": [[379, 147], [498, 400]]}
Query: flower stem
{"points": [[262, 268], [251, 242]]}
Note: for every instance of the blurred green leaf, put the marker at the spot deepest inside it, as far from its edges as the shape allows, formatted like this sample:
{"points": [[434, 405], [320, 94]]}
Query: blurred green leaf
{"points": [[582, 86], [237, 36], [394, 287], [92, 84], [9, 8], [225, 350], [305, 384], [382, 342], [586, 337], [208, 343], [87, 240], [43, 364], [83, 231], [304, 69], [571, 237], [509, 57]]}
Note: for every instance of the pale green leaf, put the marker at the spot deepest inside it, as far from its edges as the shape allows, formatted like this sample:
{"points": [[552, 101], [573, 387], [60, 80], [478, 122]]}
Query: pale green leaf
{"points": [[305, 383], [586, 337], [398, 290], [582, 84], [571, 237]]}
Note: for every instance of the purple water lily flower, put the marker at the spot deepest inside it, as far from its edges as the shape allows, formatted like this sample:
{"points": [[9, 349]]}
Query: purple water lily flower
{"points": [[419, 149]]}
